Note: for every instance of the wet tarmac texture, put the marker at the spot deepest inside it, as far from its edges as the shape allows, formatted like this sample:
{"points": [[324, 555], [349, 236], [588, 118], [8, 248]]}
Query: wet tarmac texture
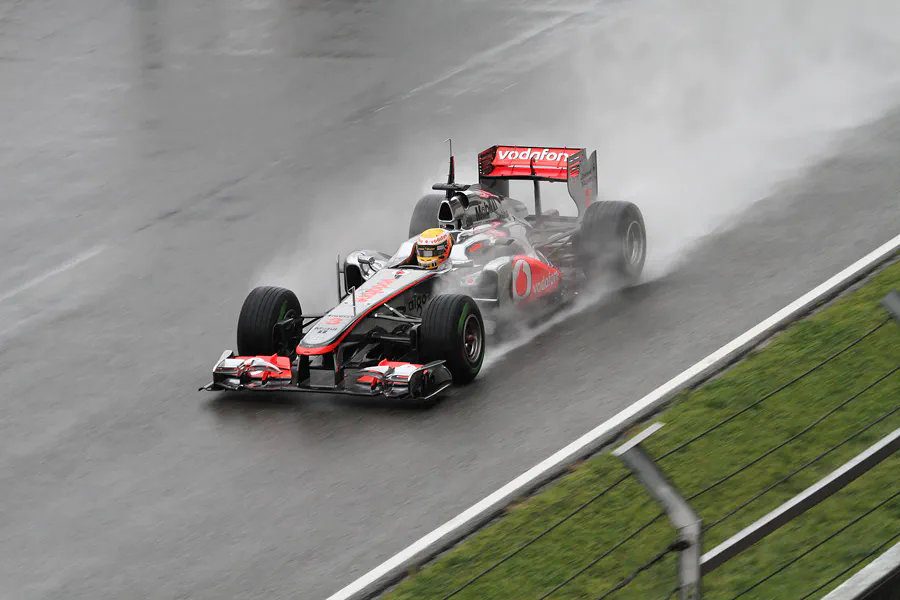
{"points": [[159, 157]]}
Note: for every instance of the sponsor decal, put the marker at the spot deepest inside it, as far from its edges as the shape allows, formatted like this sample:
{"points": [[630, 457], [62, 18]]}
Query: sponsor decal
{"points": [[378, 288], [486, 194], [482, 211], [523, 285], [329, 324], [417, 303], [547, 283], [399, 274], [541, 154], [474, 248], [588, 173], [439, 235], [521, 280], [496, 229]]}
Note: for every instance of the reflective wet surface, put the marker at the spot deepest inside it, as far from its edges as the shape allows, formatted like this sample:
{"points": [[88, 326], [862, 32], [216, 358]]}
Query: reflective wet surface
{"points": [[159, 158]]}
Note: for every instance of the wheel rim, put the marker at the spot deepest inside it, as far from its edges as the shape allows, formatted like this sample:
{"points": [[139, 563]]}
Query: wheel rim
{"points": [[634, 243], [472, 341], [289, 351]]}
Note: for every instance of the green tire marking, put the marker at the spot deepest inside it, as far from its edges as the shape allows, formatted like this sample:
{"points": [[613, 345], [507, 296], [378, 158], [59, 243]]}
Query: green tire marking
{"points": [[283, 310], [462, 319]]}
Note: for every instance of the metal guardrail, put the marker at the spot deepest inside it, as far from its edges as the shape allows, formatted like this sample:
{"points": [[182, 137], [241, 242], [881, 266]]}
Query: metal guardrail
{"points": [[891, 303], [879, 580], [676, 506], [693, 565], [801, 503]]}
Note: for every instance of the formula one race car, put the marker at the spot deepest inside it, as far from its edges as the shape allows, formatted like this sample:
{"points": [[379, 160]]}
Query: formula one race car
{"points": [[401, 330]]}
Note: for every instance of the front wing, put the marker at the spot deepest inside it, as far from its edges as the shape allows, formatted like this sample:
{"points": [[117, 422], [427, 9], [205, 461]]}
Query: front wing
{"points": [[274, 374]]}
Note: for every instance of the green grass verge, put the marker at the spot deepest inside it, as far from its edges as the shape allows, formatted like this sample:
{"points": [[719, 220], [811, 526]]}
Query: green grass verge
{"points": [[596, 529]]}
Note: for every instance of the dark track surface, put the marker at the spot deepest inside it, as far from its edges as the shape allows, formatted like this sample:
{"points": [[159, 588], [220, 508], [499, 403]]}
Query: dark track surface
{"points": [[159, 157]]}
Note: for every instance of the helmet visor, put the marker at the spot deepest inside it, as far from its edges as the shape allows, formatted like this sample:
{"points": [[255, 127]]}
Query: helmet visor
{"points": [[432, 251]]}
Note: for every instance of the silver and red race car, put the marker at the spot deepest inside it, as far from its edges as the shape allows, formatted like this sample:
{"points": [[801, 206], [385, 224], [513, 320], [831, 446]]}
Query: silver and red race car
{"points": [[401, 331]]}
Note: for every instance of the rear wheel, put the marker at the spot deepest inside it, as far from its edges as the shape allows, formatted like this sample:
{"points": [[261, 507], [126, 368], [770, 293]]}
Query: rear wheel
{"points": [[452, 330], [425, 214], [263, 308], [613, 239]]}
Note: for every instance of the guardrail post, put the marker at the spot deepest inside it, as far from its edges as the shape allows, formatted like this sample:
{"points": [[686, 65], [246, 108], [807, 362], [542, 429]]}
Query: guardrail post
{"points": [[891, 303], [676, 507]]}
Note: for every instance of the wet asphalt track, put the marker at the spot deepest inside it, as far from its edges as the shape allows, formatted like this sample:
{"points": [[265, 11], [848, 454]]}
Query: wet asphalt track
{"points": [[153, 153]]}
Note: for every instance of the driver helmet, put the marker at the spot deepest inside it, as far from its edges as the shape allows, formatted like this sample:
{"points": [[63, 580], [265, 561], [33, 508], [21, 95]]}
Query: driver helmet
{"points": [[433, 248]]}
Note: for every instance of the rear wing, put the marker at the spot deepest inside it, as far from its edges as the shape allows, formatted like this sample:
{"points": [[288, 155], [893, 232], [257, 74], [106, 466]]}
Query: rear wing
{"points": [[500, 164]]}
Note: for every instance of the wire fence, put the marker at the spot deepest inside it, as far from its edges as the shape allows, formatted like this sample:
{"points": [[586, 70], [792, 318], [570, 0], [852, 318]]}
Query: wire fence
{"points": [[818, 545], [672, 548], [858, 562], [494, 567]]}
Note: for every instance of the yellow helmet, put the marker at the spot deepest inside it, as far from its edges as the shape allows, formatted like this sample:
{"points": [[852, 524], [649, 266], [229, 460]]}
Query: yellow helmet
{"points": [[433, 247]]}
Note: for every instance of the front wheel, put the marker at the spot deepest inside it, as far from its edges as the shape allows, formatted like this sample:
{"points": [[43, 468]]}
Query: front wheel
{"points": [[452, 330], [263, 308]]}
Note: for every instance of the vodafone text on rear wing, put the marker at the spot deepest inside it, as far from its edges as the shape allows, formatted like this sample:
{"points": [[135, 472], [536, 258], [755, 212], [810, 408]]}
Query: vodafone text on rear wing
{"points": [[500, 164]]}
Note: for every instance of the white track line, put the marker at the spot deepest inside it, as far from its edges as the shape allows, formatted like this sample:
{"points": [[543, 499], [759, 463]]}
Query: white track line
{"points": [[69, 264], [455, 529]]}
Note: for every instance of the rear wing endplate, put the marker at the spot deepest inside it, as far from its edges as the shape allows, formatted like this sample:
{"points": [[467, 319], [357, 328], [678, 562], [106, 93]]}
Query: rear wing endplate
{"points": [[500, 164]]}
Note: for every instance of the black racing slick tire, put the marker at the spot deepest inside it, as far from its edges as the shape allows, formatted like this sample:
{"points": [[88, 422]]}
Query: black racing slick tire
{"points": [[613, 240], [263, 308], [452, 330], [425, 214]]}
